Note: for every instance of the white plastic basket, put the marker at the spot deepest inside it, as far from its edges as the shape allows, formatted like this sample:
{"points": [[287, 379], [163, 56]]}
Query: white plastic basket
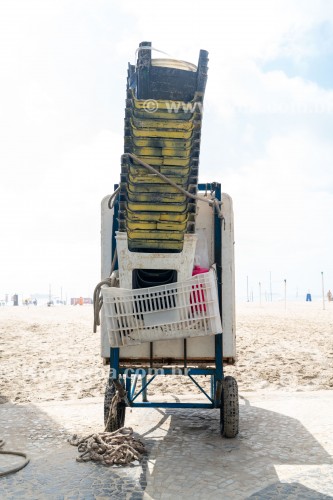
{"points": [[177, 310]]}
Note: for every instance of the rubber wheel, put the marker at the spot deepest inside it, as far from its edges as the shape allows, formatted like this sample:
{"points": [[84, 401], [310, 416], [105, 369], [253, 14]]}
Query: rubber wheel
{"points": [[121, 410], [229, 417]]}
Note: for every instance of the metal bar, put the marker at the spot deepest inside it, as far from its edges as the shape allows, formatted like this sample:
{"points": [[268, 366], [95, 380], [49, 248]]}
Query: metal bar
{"points": [[161, 404], [115, 227], [185, 353], [217, 246], [166, 361], [167, 371], [114, 363], [218, 262], [144, 385], [219, 357], [128, 382], [143, 388], [132, 390], [204, 187], [114, 352], [201, 389], [218, 338], [151, 354], [212, 386]]}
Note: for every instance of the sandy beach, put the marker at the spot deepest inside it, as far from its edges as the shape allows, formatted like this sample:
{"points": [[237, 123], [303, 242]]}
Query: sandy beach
{"points": [[51, 353]]}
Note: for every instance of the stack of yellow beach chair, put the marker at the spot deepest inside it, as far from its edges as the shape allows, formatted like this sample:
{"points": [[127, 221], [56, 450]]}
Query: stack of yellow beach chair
{"points": [[164, 132]]}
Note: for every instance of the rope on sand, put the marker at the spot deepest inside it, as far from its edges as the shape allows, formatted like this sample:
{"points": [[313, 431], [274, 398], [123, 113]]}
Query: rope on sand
{"points": [[109, 448]]}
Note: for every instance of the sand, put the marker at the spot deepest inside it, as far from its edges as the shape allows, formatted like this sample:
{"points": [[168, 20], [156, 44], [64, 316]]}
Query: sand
{"points": [[51, 353]]}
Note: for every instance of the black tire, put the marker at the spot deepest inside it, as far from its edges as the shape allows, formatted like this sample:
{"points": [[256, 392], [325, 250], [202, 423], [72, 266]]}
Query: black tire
{"points": [[119, 422], [229, 417]]}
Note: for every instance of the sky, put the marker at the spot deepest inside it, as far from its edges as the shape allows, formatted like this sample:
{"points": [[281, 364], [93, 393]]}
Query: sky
{"points": [[266, 136]]}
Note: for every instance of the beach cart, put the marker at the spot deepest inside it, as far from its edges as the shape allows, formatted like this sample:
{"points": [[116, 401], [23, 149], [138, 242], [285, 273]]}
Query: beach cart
{"points": [[167, 246]]}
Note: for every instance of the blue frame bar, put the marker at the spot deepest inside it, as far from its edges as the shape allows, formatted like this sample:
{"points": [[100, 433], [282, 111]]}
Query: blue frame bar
{"points": [[162, 404], [216, 373], [144, 392], [144, 371], [142, 389], [200, 388], [218, 262], [114, 351], [132, 390], [212, 386]]}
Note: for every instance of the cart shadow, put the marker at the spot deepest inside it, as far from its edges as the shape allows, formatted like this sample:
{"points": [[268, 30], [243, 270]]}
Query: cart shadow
{"points": [[193, 453], [53, 471], [186, 456]]}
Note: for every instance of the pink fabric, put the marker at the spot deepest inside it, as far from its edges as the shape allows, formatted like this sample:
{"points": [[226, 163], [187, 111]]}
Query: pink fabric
{"points": [[198, 295], [199, 270]]}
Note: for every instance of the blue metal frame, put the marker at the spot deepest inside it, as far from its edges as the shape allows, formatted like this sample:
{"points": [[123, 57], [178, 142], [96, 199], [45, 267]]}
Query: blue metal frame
{"points": [[216, 373]]}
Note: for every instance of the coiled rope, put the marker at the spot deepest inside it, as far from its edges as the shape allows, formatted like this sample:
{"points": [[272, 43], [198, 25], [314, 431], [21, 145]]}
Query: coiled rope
{"points": [[109, 448]]}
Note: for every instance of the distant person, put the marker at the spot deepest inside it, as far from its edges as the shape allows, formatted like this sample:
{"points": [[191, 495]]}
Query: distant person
{"points": [[329, 296], [308, 297]]}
